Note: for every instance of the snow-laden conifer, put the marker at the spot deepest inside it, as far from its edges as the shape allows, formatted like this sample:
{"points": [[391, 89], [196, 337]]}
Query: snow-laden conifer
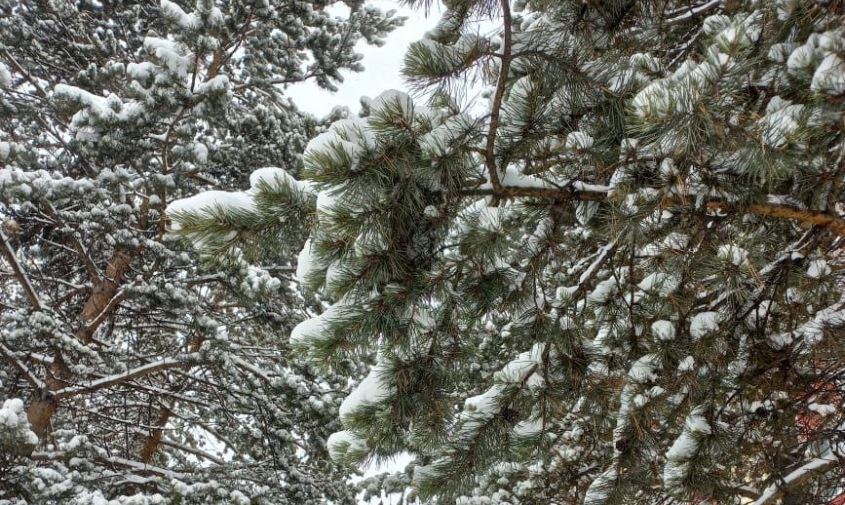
{"points": [[132, 372], [620, 282]]}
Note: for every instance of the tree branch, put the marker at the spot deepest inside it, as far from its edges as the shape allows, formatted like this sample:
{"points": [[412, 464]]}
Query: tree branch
{"points": [[17, 363], [113, 380], [196, 452], [796, 478], [490, 149], [17, 66], [807, 217], [86, 334], [9, 255]]}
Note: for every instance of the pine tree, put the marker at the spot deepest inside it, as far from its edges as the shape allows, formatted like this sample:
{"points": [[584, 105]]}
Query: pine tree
{"points": [[131, 372], [620, 283]]}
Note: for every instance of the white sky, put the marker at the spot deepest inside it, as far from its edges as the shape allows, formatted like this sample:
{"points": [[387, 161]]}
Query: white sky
{"points": [[381, 64]]}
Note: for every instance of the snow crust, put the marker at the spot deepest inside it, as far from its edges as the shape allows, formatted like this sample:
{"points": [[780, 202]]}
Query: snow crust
{"points": [[818, 268], [829, 76], [140, 71], [644, 369], [341, 443], [662, 283], [5, 76], [175, 57], [370, 391], [109, 108], [685, 448], [780, 121], [235, 201], [175, 13], [663, 330], [275, 176], [733, 254], [305, 263], [599, 491], [202, 203], [309, 329], [703, 323]]}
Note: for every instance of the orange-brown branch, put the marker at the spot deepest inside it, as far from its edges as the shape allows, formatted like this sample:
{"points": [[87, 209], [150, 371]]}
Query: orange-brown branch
{"points": [[153, 440], [806, 217]]}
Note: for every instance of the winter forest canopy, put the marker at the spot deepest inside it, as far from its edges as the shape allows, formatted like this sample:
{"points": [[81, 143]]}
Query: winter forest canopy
{"points": [[593, 256]]}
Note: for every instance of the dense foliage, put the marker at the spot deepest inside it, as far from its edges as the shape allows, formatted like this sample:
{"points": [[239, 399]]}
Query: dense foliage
{"points": [[131, 374], [621, 282]]}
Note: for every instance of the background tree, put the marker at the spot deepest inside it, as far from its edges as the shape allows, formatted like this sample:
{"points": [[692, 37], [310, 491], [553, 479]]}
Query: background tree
{"points": [[621, 283], [144, 377]]}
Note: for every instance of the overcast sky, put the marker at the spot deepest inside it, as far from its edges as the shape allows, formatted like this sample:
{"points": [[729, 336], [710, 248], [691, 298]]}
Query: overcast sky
{"points": [[381, 64]]}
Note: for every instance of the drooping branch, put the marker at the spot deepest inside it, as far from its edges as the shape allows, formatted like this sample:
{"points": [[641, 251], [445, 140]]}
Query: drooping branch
{"points": [[196, 452], [261, 374], [143, 468], [114, 461]]}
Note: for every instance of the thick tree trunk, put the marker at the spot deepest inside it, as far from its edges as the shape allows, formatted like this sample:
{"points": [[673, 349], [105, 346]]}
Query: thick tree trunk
{"points": [[39, 413], [108, 286], [153, 441], [41, 410]]}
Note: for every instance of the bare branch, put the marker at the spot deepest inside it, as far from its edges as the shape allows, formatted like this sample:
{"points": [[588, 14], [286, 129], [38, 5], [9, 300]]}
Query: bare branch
{"points": [[17, 363], [9, 255], [490, 149]]}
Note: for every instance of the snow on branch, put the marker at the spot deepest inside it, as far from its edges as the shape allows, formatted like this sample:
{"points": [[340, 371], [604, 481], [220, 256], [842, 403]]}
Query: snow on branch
{"points": [[691, 12], [17, 363], [20, 274], [258, 372], [578, 191], [796, 478], [127, 376]]}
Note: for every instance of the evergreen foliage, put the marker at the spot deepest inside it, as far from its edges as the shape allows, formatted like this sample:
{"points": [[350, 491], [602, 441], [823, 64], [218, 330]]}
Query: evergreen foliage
{"points": [[619, 283], [132, 374]]}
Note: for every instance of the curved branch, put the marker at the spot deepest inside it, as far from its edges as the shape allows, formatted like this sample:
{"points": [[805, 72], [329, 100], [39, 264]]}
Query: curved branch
{"points": [[490, 148], [797, 478]]}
